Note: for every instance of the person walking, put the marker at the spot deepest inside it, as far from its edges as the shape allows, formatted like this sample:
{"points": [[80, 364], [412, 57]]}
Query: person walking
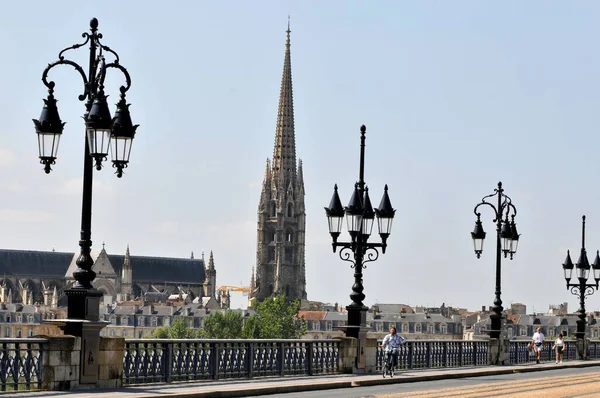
{"points": [[538, 341], [559, 347]]}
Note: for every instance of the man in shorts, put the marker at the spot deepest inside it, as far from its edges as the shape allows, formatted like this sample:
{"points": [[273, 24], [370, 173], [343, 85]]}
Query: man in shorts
{"points": [[538, 341]]}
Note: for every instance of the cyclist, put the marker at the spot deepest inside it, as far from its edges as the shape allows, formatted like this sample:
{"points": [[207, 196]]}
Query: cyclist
{"points": [[390, 344]]}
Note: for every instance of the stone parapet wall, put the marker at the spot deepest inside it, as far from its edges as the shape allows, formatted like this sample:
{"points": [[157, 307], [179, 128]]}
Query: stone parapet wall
{"points": [[60, 363]]}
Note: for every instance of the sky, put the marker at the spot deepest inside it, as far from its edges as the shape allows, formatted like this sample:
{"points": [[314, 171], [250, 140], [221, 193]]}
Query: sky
{"points": [[456, 96]]}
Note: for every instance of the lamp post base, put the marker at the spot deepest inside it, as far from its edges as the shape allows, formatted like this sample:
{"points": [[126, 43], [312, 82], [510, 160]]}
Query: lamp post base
{"points": [[83, 304], [357, 319]]}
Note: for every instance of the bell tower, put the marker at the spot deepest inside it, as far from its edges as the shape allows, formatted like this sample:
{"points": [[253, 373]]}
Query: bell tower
{"points": [[281, 213]]}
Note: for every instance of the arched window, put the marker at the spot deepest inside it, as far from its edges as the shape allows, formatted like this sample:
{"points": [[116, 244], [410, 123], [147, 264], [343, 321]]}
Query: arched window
{"points": [[273, 209], [418, 328], [289, 236], [290, 210]]}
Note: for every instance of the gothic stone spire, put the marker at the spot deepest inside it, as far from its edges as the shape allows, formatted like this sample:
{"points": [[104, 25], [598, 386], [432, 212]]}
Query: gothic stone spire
{"points": [[284, 152]]}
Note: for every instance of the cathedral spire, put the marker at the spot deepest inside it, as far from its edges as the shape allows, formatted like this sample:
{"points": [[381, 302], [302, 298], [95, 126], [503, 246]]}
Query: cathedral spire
{"points": [[284, 152]]}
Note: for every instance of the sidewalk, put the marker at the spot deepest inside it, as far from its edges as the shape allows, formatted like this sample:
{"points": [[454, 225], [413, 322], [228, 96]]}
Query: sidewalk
{"points": [[248, 388]]}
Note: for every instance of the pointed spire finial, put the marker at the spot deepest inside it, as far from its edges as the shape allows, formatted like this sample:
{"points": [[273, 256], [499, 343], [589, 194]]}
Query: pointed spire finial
{"points": [[192, 256], [288, 31], [127, 251], [102, 245]]}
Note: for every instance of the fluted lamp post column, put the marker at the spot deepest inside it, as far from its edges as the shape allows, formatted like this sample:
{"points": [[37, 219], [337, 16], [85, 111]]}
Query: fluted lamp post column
{"points": [[103, 134], [360, 217], [507, 241], [581, 288]]}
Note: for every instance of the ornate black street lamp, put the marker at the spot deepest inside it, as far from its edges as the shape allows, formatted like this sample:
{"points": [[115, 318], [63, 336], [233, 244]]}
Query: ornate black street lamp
{"points": [[581, 288], [103, 134], [507, 240], [360, 216]]}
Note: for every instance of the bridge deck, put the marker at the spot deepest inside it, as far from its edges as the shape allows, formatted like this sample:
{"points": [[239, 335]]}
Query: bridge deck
{"points": [[243, 388]]}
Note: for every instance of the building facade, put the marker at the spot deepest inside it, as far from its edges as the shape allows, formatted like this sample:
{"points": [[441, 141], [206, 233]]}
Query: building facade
{"points": [[280, 266]]}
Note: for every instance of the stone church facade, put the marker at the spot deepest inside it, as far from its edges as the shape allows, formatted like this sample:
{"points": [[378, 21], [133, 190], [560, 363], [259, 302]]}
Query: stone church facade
{"points": [[39, 277], [280, 266]]}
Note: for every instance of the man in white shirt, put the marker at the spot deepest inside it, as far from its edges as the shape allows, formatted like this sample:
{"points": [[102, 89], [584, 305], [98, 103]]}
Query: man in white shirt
{"points": [[538, 341], [391, 341]]}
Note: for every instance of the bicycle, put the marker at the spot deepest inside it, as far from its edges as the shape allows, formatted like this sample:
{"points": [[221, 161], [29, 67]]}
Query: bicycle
{"points": [[388, 368]]}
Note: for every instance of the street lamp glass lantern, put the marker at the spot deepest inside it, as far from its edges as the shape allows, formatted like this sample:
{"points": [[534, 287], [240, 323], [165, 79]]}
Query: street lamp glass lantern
{"points": [[583, 266], [335, 214], [49, 129], [99, 129], [478, 236], [368, 215], [385, 215], [514, 244], [506, 236], [354, 213], [123, 132], [596, 267], [568, 267]]}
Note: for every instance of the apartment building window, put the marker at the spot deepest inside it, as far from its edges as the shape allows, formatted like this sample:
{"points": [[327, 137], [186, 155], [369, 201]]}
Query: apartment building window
{"points": [[166, 321], [444, 329], [141, 321], [379, 326], [418, 328], [7, 332], [316, 325], [30, 332], [8, 318], [19, 318], [431, 329], [523, 331], [404, 328], [30, 318], [113, 319], [153, 322], [510, 332], [124, 321], [19, 333], [392, 325]]}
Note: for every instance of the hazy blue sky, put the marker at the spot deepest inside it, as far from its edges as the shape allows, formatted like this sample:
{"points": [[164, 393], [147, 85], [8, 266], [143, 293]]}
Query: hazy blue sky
{"points": [[455, 95]]}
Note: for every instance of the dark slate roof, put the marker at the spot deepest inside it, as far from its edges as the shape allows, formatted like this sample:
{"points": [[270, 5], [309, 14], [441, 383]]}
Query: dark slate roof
{"points": [[145, 269], [162, 269], [34, 263]]}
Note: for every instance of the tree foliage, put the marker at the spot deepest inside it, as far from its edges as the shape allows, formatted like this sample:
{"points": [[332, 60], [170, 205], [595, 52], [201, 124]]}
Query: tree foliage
{"points": [[276, 318], [223, 325], [178, 330]]}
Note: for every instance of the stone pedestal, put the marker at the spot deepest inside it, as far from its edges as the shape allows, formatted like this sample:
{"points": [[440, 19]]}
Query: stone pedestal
{"points": [[88, 335], [498, 352], [68, 365], [582, 348], [358, 355]]}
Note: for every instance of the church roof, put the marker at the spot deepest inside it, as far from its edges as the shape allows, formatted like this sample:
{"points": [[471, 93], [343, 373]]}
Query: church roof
{"points": [[162, 269], [34, 263], [145, 269]]}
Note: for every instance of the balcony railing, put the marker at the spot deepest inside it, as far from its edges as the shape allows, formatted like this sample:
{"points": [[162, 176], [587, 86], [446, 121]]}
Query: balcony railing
{"points": [[431, 354], [168, 360], [21, 364], [519, 351]]}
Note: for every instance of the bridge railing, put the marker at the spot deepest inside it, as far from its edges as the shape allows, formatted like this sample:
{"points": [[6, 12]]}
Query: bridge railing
{"points": [[168, 360], [519, 351], [431, 354], [21, 364]]}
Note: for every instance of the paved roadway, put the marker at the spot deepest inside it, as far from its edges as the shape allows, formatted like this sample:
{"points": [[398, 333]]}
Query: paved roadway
{"points": [[553, 383]]}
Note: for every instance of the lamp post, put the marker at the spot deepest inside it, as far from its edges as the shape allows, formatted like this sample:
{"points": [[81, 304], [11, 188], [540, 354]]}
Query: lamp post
{"points": [[507, 240], [103, 134], [581, 288], [360, 216]]}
